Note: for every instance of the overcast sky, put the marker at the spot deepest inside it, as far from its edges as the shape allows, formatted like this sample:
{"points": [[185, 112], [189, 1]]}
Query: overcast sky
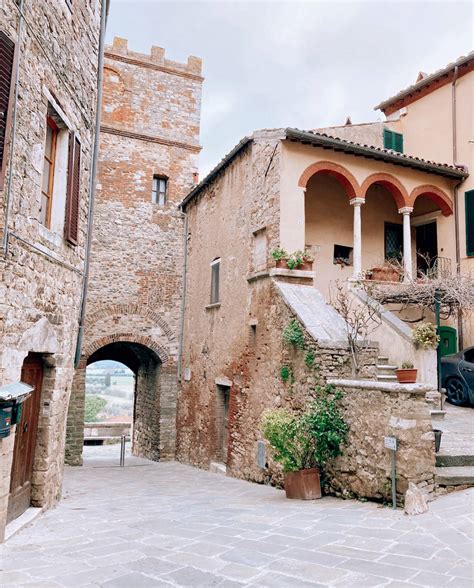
{"points": [[298, 64]]}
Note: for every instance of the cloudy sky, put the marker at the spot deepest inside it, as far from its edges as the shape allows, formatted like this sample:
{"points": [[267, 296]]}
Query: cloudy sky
{"points": [[300, 64]]}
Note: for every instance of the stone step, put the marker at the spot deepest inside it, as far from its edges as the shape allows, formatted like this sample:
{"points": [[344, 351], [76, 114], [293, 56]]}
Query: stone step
{"points": [[446, 460], [437, 415], [216, 467], [385, 366], [386, 378], [455, 476], [382, 359]]}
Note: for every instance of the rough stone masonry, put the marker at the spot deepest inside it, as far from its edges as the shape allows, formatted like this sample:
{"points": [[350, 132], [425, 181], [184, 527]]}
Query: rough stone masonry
{"points": [[148, 162]]}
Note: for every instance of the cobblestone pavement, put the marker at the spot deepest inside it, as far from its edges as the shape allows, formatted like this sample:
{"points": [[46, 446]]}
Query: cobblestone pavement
{"points": [[165, 524]]}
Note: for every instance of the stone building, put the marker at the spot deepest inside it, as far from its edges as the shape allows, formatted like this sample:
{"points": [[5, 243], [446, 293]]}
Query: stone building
{"points": [[295, 190], [48, 95], [147, 163]]}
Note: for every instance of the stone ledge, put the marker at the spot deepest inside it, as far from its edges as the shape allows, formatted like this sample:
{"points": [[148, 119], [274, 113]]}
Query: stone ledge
{"points": [[393, 387], [287, 273]]}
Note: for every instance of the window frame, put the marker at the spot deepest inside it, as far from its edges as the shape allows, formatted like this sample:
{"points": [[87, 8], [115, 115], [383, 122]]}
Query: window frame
{"points": [[215, 297], [468, 195], [158, 178], [390, 140], [50, 123], [399, 227]]}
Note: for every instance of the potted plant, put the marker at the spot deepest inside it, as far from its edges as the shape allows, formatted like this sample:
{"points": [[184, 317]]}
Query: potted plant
{"points": [[406, 374], [280, 256], [385, 273], [304, 443], [425, 336]]}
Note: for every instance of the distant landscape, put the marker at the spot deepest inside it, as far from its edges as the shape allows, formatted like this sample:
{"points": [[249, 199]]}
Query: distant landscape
{"points": [[109, 392]]}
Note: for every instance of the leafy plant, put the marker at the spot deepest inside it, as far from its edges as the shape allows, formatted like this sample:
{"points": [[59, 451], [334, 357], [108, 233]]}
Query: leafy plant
{"points": [[309, 359], [293, 334], [285, 373], [278, 253], [424, 336], [407, 365], [304, 441]]}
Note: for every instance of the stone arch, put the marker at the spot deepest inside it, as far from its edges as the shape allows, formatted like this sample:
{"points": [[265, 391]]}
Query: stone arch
{"points": [[90, 348], [343, 175], [394, 186], [438, 196]]}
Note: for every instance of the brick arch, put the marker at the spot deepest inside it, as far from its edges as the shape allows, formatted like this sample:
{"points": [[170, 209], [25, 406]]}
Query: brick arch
{"points": [[435, 194], [343, 175], [144, 340], [128, 309], [394, 186]]}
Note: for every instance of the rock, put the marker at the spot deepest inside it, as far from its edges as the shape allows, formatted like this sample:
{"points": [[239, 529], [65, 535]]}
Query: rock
{"points": [[415, 501]]}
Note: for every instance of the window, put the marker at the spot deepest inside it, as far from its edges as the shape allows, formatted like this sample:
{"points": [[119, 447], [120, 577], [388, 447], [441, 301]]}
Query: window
{"points": [[7, 54], [159, 190], [215, 271], [469, 201], [47, 182], [392, 140], [260, 250], [393, 241], [342, 255]]}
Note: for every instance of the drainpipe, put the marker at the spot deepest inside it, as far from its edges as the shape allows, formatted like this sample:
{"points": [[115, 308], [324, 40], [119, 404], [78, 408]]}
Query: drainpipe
{"points": [[13, 135], [92, 185], [183, 297], [456, 219]]}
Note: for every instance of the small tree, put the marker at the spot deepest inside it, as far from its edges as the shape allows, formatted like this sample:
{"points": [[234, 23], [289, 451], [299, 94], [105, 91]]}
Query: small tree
{"points": [[360, 320], [93, 406]]}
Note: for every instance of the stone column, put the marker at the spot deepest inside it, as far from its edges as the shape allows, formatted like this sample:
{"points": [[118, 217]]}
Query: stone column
{"points": [[357, 251], [407, 259]]}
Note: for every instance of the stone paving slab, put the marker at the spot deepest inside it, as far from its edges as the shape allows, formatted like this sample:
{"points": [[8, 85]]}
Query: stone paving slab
{"points": [[167, 524]]}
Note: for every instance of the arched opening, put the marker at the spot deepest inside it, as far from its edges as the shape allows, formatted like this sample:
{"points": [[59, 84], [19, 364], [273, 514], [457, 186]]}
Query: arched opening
{"points": [[329, 229], [154, 393]]}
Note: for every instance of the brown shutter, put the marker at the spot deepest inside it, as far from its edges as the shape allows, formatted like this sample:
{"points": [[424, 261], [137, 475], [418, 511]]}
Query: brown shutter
{"points": [[7, 55], [71, 225]]}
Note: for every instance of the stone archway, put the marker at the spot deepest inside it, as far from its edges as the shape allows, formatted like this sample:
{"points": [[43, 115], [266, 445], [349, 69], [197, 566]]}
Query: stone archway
{"points": [[154, 399]]}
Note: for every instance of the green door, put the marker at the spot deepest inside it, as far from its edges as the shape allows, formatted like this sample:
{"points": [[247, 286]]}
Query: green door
{"points": [[448, 343]]}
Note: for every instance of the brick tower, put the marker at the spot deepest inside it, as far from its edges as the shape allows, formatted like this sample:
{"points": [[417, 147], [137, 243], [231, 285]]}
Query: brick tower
{"points": [[148, 161]]}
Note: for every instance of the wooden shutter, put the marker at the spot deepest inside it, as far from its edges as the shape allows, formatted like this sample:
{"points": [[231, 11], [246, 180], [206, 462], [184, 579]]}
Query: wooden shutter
{"points": [[398, 142], [469, 200], [387, 139], [71, 225], [7, 55]]}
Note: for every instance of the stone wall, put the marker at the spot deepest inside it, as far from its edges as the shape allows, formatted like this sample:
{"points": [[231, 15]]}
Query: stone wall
{"points": [[41, 274], [374, 410], [150, 126]]}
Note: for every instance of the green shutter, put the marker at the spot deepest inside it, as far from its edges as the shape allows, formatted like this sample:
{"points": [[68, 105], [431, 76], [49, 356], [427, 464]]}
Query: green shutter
{"points": [[398, 142], [387, 139], [469, 199]]}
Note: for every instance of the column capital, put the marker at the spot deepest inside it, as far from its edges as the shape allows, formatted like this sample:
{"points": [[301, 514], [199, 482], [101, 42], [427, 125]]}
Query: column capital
{"points": [[405, 210], [357, 201]]}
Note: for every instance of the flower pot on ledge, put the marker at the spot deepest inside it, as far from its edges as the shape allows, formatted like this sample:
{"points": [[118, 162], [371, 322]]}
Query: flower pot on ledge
{"points": [[406, 376], [305, 266], [303, 484], [384, 274]]}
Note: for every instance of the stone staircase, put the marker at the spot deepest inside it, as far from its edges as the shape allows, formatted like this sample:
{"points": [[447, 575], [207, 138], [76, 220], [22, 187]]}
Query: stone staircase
{"points": [[385, 371], [455, 459]]}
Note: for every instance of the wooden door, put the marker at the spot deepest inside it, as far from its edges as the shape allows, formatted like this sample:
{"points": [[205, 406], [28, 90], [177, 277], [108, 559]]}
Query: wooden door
{"points": [[225, 424], [25, 440]]}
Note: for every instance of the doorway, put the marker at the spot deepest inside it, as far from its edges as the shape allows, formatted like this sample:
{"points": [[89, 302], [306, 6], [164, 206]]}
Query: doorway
{"points": [[25, 440], [222, 417], [426, 247]]}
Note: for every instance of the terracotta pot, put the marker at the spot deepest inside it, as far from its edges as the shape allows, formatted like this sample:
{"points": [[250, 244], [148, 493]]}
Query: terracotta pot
{"points": [[306, 265], [385, 274], [281, 263], [303, 485], [406, 376]]}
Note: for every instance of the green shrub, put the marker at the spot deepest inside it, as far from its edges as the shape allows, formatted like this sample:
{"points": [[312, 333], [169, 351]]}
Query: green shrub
{"points": [[93, 405], [309, 359], [285, 373], [293, 334], [424, 336], [278, 254], [310, 439]]}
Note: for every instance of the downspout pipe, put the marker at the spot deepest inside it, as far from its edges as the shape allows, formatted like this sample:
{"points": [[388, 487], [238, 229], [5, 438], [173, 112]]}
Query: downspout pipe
{"points": [[13, 135], [92, 185], [455, 195], [183, 297]]}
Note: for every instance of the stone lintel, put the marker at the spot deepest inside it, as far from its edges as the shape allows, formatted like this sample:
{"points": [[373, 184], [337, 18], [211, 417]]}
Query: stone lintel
{"points": [[393, 387], [223, 381]]}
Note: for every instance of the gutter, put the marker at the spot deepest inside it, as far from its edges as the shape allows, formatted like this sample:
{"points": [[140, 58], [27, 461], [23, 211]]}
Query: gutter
{"points": [[92, 184], [183, 296]]}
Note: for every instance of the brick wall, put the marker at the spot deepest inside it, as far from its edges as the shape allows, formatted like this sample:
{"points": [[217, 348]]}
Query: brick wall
{"points": [[150, 126]]}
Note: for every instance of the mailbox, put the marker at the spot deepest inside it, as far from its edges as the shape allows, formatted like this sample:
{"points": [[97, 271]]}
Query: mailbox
{"points": [[12, 397]]}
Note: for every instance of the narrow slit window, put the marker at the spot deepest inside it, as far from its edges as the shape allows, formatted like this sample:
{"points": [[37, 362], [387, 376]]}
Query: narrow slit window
{"points": [[215, 275], [159, 190]]}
